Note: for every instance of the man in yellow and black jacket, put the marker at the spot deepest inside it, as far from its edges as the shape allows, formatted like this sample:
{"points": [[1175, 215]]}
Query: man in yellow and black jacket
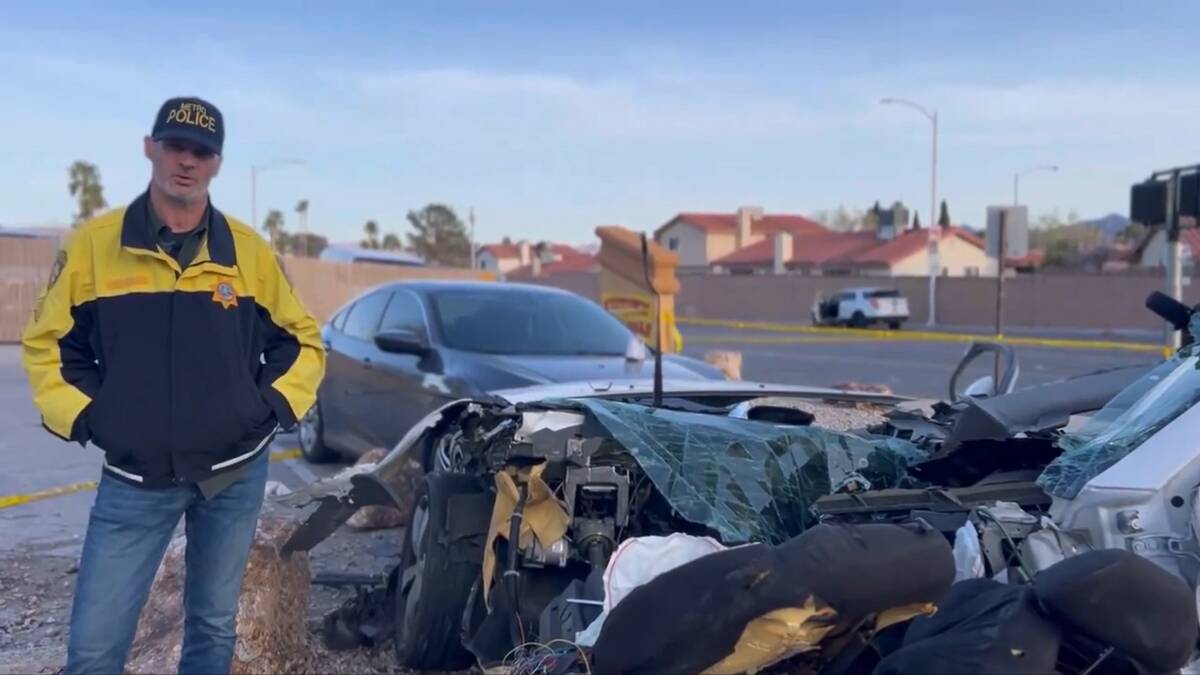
{"points": [[170, 339]]}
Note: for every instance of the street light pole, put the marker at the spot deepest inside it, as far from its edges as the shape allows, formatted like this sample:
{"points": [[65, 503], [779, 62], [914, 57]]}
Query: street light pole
{"points": [[254, 171], [933, 253], [1017, 179]]}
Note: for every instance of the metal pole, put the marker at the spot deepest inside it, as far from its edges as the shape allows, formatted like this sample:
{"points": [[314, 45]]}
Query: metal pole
{"points": [[1174, 255], [1016, 184], [934, 253], [1001, 255], [254, 197], [472, 238]]}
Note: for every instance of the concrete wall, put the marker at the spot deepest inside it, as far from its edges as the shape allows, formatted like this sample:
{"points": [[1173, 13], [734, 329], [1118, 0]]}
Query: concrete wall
{"points": [[1080, 301], [322, 285]]}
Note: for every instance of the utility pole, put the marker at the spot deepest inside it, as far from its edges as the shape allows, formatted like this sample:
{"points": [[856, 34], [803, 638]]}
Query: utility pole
{"points": [[1174, 254], [471, 218], [1001, 256], [254, 170], [934, 255]]}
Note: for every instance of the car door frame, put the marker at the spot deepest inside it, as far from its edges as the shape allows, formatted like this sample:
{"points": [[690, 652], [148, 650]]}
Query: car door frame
{"points": [[355, 378], [415, 387]]}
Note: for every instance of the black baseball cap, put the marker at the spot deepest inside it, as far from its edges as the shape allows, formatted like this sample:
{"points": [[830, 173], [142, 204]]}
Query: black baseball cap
{"points": [[188, 118]]}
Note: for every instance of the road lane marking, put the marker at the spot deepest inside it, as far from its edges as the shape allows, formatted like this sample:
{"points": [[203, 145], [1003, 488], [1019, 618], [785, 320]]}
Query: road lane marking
{"points": [[9, 501], [927, 336]]}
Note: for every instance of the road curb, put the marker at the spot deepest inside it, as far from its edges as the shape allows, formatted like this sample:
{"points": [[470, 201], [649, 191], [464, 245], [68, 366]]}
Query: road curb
{"points": [[927, 336]]}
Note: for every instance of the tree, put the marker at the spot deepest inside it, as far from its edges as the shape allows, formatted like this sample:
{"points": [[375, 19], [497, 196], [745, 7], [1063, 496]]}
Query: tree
{"points": [[371, 229], [306, 243], [944, 216], [299, 243], [916, 220], [391, 242], [84, 185], [439, 236], [273, 226]]}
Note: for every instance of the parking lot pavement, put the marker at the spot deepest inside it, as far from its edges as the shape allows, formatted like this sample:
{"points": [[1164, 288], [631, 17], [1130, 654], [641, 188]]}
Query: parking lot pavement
{"points": [[920, 369]]}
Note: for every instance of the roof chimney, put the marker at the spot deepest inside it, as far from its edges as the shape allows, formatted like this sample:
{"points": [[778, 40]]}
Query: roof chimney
{"points": [[746, 215], [523, 252], [783, 251]]}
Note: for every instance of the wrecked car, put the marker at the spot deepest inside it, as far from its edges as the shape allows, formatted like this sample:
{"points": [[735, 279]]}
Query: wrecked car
{"points": [[528, 493], [530, 499]]}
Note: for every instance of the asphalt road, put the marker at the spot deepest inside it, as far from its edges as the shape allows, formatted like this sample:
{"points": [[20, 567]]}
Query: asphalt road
{"points": [[35, 461], [920, 369]]}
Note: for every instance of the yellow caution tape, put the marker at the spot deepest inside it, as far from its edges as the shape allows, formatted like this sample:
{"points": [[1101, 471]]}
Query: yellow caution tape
{"points": [[862, 334], [62, 490], [17, 500]]}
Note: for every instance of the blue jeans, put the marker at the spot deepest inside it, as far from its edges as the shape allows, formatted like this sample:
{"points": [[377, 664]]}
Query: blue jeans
{"points": [[128, 532]]}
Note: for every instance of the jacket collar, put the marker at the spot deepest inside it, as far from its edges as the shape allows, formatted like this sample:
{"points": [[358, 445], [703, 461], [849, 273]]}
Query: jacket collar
{"points": [[135, 232]]}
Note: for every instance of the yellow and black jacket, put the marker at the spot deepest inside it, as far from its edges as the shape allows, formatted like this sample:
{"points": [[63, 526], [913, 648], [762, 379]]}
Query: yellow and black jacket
{"points": [[176, 374]]}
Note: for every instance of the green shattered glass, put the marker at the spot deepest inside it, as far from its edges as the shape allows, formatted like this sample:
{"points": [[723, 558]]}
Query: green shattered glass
{"points": [[749, 480]]}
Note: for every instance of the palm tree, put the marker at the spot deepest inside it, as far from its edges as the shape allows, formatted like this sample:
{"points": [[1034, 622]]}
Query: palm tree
{"points": [[273, 226], [84, 185], [302, 211], [372, 231]]}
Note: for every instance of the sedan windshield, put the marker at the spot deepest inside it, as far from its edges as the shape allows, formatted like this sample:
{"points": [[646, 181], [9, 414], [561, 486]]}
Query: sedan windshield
{"points": [[1132, 417], [507, 321]]}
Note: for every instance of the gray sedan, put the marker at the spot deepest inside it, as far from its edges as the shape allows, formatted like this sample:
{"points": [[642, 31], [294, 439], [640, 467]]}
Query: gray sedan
{"points": [[402, 350]]}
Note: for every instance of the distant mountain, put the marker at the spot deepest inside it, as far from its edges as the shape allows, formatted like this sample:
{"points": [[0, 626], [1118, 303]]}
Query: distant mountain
{"points": [[1110, 225]]}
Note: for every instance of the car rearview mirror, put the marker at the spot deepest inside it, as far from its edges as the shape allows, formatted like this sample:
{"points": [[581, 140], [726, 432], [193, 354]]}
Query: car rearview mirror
{"points": [[397, 341]]}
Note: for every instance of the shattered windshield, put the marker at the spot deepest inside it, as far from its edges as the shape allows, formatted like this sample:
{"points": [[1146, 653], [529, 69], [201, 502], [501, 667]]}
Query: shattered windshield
{"points": [[1134, 415], [749, 480]]}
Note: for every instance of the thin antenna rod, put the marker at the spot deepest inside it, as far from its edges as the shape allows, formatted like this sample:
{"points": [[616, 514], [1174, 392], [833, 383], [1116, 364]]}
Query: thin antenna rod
{"points": [[658, 337]]}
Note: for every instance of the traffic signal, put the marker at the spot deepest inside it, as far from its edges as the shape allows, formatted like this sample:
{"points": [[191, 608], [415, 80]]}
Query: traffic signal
{"points": [[1189, 195], [1148, 203]]}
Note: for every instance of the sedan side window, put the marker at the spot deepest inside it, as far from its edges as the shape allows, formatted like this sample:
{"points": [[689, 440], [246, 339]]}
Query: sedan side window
{"points": [[364, 316], [339, 321], [404, 312]]}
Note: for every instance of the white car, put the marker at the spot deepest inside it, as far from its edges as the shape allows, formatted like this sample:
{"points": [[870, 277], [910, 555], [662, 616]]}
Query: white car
{"points": [[861, 307]]}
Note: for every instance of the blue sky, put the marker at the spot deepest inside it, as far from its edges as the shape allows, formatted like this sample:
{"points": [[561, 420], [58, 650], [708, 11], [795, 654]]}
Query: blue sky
{"points": [[553, 118]]}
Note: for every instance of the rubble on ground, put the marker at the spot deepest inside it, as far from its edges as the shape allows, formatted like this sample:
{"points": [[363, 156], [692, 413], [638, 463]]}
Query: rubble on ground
{"points": [[385, 517], [271, 628]]}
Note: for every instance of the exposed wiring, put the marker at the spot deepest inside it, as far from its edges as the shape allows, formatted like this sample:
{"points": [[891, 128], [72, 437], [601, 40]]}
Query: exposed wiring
{"points": [[529, 659], [582, 654], [1016, 552]]}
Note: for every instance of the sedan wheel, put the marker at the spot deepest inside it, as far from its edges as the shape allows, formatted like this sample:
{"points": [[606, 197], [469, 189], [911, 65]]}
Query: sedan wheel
{"points": [[312, 437]]}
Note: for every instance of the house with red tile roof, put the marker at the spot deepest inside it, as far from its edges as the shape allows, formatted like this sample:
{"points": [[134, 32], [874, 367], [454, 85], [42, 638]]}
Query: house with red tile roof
{"points": [[882, 252], [699, 239], [527, 260]]}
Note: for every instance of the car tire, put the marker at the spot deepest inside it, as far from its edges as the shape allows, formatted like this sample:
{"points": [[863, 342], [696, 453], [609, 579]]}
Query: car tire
{"points": [[859, 320], [312, 437], [894, 325], [436, 573]]}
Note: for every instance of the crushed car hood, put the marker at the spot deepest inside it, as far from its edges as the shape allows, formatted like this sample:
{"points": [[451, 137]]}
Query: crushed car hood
{"points": [[541, 369], [636, 388], [750, 481]]}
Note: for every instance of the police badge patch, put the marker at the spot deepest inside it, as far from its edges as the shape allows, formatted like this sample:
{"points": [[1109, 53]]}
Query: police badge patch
{"points": [[60, 262], [56, 270], [224, 294]]}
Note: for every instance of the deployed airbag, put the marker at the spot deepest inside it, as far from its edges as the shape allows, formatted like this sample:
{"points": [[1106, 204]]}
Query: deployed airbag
{"points": [[690, 618], [1124, 601], [982, 626]]}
